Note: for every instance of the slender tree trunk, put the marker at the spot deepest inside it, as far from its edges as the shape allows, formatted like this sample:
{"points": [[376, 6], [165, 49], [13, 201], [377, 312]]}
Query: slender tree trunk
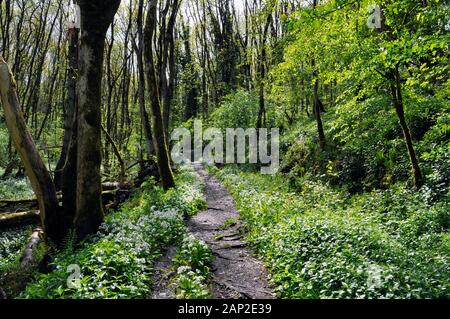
{"points": [[318, 108], [317, 104], [396, 90], [262, 67], [71, 105], [68, 159], [168, 59], [159, 139], [139, 48], [35, 169], [96, 17], [118, 155]]}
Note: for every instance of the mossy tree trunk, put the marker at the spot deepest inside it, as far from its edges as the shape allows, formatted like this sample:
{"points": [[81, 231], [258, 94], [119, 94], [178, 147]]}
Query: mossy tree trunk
{"points": [[139, 48], [159, 138], [96, 17], [70, 105]]}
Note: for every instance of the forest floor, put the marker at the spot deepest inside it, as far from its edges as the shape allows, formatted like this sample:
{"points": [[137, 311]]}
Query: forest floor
{"points": [[236, 272]]}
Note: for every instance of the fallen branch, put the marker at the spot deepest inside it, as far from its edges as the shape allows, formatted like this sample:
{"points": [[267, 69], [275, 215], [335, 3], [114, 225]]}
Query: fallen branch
{"points": [[16, 280], [111, 199], [17, 201], [20, 218], [27, 256]]}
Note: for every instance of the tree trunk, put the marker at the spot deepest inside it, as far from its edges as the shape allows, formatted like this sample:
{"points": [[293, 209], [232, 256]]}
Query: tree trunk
{"points": [[317, 104], [168, 63], [159, 139], [118, 155], [396, 90], [96, 17], [35, 169], [71, 105], [139, 48], [318, 109]]}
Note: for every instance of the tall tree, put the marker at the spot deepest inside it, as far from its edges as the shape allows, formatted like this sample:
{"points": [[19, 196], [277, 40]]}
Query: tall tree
{"points": [[316, 98], [70, 104], [159, 136], [139, 49], [96, 17]]}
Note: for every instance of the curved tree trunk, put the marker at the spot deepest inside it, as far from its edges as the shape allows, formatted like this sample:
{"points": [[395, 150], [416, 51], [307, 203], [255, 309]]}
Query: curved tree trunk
{"points": [[35, 169], [318, 108]]}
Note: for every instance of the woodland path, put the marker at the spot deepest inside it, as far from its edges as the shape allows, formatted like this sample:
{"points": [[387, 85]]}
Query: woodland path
{"points": [[236, 273]]}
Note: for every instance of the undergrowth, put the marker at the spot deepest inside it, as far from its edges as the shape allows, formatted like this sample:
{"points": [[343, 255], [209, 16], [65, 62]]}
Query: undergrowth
{"points": [[192, 263], [118, 261], [323, 242]]}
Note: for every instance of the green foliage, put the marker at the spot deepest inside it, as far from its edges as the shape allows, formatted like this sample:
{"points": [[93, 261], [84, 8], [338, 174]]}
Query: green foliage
{"points": [[436, 156], [12, 243], [15, 188], [321, 242], [195, 254], [193, 264], [238, 110], [118, 261], [365, 143], [228, 223], [3, 144]]}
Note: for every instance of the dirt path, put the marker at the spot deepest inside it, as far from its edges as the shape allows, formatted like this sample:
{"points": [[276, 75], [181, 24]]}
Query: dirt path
{"points": [[236, 273]]}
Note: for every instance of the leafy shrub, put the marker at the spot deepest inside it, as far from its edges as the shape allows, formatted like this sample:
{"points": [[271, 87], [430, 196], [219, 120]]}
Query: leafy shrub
{"points": [[3, 143], [15, 188], [239, 109], [190, 284], [193, 263], [12, 243], [436, 157], [195, 254], [365, 144]]}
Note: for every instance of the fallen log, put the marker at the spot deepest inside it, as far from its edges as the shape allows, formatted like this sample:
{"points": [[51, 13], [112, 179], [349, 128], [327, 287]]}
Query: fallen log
{"points": [[15, 205], [19, 218], [17, 280], [18, 205], [111, 199], [3, 202], [27, 256], [17, 201]]}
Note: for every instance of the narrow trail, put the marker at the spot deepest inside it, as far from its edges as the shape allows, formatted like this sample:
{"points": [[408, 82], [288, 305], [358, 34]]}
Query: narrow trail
{"points": [[236, 273]]}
